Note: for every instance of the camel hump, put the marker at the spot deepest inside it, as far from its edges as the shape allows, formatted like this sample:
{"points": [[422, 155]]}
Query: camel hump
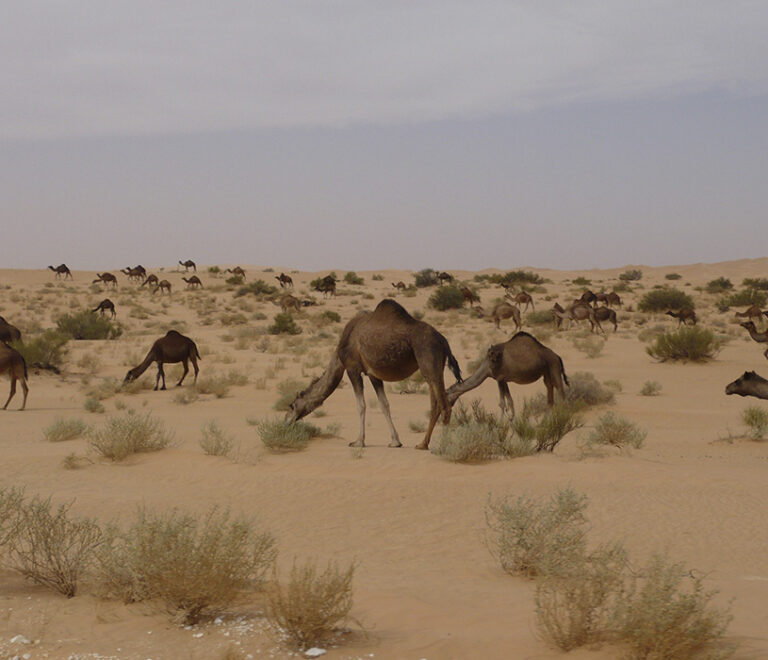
{"points": [[390, 307]]}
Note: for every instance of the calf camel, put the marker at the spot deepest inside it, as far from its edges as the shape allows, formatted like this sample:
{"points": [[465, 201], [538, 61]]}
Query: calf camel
{"points": [[193, 282], [8, 332], [13, 362], [520, 298], [174, 347], [606, 314], [106, 305], [469, 295], [686, 316], [750, 384], [579, 311], [106, 279], [151, 279], [400, 286], [61, 270], [239, 272], [759, 337], [523, 359], [753, 313], [444, 277], [285, 280], [387, 344], [162, 285], [188, 264], [501, 312]]}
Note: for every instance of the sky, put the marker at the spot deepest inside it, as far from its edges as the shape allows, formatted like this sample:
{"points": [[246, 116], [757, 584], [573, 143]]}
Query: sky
{"points": [[383, 134]]}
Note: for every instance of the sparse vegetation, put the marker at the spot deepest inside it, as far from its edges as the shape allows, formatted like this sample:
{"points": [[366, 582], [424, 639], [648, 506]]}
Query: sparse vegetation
{"points": [[612, 429], [214, 442], [281, 436], [591, 346], [756, 420], [87, 325], [687, 344], [258, 288], [632, 275], [425, 277], [650, 388], [46, 351], [284, 324], [581, 281], [61, 430], [719, 285], [673, 276], [744, 298], [585, 389], [351, 277], [664, 299], [446, 297], [127, 435]]}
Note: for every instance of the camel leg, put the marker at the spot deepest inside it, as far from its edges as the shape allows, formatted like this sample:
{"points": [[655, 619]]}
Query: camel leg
{"points": [[505, 399], [357, 385], [184, 375], [195, 367], [766, 354], [13, 391], [25, 390], [160, 374], [434, 414], [378, 386]]}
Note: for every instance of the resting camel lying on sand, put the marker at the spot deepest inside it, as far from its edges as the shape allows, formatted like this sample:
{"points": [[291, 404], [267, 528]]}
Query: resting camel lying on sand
{"points": [[387, 344], [13, 362], [522, 360], [174, 347], [8, 332], [61, 270], [106, 279], [750, 384], [105, 305]]}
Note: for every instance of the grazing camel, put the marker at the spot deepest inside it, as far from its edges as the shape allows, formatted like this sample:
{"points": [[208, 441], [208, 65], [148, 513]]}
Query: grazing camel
{"points": [[151, 279], [387, 344], [686, 316], [13, 362], [612, 299], [239, 272], [193, 282], [162, 285], [469, 295], [286, 280], [759, 337], [61, 270], [400, 286], [174, 347], [327, 286], [137, 273], [188, 264], [106, 305], [501, 312], [606, 314], [523, 360], [106, 279], [753, 313], [8, 332], [444, 277], [579, 311], [289, 302], [750, 384], [520, 298]]}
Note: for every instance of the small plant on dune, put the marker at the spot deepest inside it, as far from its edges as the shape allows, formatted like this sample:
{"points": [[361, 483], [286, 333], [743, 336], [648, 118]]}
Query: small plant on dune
{"points": [[281, 436], [127, 435], [377, 277], [61, 430], [719, 285], [664, 299], [214, 442], [632, 275], [425, 277], [258, 288], [581, 281], [234, 280], [330, 315], [46, 351], [542, 317], [197, 567], [213, 384], [591, 346], [650, 388], [760, 283], [284, 324], [612, 429], [756, 420], [311, 605], [352, 277], [587, 390], [214, 270], [673, 276], [93, 405], [185, 396], [446, 297], [417, 426], [514, 278], [11, 502], [686, 344], [87, 325]]}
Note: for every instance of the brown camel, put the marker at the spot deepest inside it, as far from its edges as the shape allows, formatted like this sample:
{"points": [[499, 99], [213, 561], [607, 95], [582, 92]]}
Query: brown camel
{"points": [[174, 347], [522, 360], [237, 271], [289, 302], [137, 273], [760, 337], [193, 282], [469, 295], [106, 305], [613, 299], [686, 316], [444, 277], [750, 384], [400, 286], [521, 298], [606, 314], [162, 285], [753, 313], [8, 332], [501, 312], [588, 297], [286, 280], [13, 362], [61, 270], [579, 311], [327, 286], [106, 279], [188, 264], [387, 344], [151, 279]]}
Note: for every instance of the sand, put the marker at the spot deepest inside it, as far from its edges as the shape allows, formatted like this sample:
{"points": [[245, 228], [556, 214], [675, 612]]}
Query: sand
{"points": [[426, 585]]}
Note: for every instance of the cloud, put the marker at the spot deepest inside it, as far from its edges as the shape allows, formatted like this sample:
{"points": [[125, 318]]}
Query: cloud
{"points": [[95, 68]]}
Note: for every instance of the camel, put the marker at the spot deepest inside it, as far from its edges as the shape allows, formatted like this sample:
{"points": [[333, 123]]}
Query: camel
{"points": [[286, 280], [61, 270], [8, 332], [520, 298], [387, 344], [106, 279], [106, 305], [444, 277], [750, 384], [469, 295], [588, 297], [753, 312], [760, 337], [523, 359], [501, 312], [612, 299], [289, 302], [162, 285], [606, 314], [579, 311], [239, 272], [188, 264], [327, 286], [193, 282], [174, 347], [151, 279], [137, 273], [400, 286], [686, 316], [13, 362]]}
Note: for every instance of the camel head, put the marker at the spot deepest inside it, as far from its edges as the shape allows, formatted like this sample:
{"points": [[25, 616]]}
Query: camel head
{"points": [[130, 376], [741, 385], [298, 408], [749, 325]]}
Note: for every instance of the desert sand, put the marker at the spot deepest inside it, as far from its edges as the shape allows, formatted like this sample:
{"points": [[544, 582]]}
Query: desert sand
{"points": [[426, 584]]}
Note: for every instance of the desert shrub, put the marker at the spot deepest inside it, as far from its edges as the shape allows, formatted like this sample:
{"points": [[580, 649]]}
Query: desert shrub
{"points": [[310, 606], [719, 285], [257, 288], [377, 277], [545, 427], [235, 318], [585, 389], [235, 280], [689, 344], [581, 281], [591, 346], [533, 537], [213, 384], [214, 270], [46, 351], [650, 388], [665, 612], [673, 276], [425, 277], [197, 567], [474, 436], [756, 420], [281, 436], [614, 385], [11, 503], [284, 324], [93, 405], [50, 547], [129, 434], [760, 283], [417, 426], [214, 442], [744, 298], [87, 325], [446, 297], [319, 280], [65, 429], [631, 275], [330, 315], [611, 429], [666, 298], [351, 277], [185, 396], [287, 390], [515, 278]]}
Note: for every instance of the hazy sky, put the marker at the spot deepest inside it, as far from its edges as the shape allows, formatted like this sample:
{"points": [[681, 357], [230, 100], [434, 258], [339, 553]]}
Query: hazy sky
{"points": [[383, 134]]}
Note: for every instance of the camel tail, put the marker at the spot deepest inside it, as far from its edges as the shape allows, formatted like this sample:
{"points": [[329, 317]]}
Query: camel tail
{"points": [[199, 357], [453, 364], [562, 371]]}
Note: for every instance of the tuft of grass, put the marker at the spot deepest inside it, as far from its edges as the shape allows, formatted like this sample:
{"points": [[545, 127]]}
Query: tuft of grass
{"points": [[258, 288], [61, 430], [664, 299], [93, 405], [330, 315], [585, 389], [591, 346], [446, 297], [127, 435], [185, 396], [650, 388], [719, 285], [673, 276], [687, 344], [212, 384], [281, 436], [214, 442], [612, 429], [756, 420], [287, 390]]}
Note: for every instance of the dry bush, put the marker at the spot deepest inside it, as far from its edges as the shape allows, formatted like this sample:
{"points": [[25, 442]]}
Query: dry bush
{"points": [[591, 346], [281, 436], [93, 405], [214, 442], [184, 396], [756, 419], [87, 325], [664, 299], [612, 429], [687, 344], [650, 388], [474, 438], [11, 502], [586, 389], [312, 604], [127, 435], [213, 384], [284, 324], [196, 567], [65, 429], [446, 297], [545, 427]]}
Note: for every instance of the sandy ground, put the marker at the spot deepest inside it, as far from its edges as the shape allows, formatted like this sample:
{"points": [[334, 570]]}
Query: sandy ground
{"points": [[426, 585]]}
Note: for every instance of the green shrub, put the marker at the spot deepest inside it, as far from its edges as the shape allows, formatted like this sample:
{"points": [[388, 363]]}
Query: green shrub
{"points": [[87, 325], [425, 277], [351, 277], [673, 276], [542, 317], [330, 315], [93, 405], [213, 384], [258, 288], [744, 298], [756, 419], [474, 437], [197, 567], [214, 442], [65, 429], [581, 281], [446, 297], [129, 434], [650, 388], [284, 324], [760, 283], [664, 299], [631, 275], [377, 277], [611, 429], [319, 280], [214, 270], [688, 344], [585, 389], [281, 436], [719, 285], [234, 280], [46, 351], [515, 278]]}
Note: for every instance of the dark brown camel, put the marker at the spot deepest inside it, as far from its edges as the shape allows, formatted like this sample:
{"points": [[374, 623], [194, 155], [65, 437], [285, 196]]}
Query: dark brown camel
{"points": [[327, 286], [686, 316], [188, 264], [522, 360], [400, 286], [286, 280], [13, 362], [753, 313], [444, 277], [137, 273], [174, 347], [588, 297], [387, 344], [237, 271], [193, 282], [606, 314], [469, 295], [106, 279], [61, 270], [759, 337], [521, 298], [579, 311], [750, 384], [151, 279], [613, 299], [8, 332], [106, 305], [162, 285], [501, 312]]}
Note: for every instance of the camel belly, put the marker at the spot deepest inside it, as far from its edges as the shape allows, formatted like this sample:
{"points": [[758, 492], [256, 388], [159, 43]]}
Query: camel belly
{"points": [[389, 360]]}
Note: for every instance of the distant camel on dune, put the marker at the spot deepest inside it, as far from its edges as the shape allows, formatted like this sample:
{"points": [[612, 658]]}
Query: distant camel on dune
{"points": [[285, 280], [750, 384], [444, 277], [137, 273], [501, 312], [327, 286], [13, 362], [400, 286], [162, 285], [521, 298], [151, 279], [173, 347], [469, 296], [686, 316], [287, 301], [188, 264], [387, 344], [193, 282], [753, 313], [237, 271], [106, 305], [106, 279], [61, 270]]}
